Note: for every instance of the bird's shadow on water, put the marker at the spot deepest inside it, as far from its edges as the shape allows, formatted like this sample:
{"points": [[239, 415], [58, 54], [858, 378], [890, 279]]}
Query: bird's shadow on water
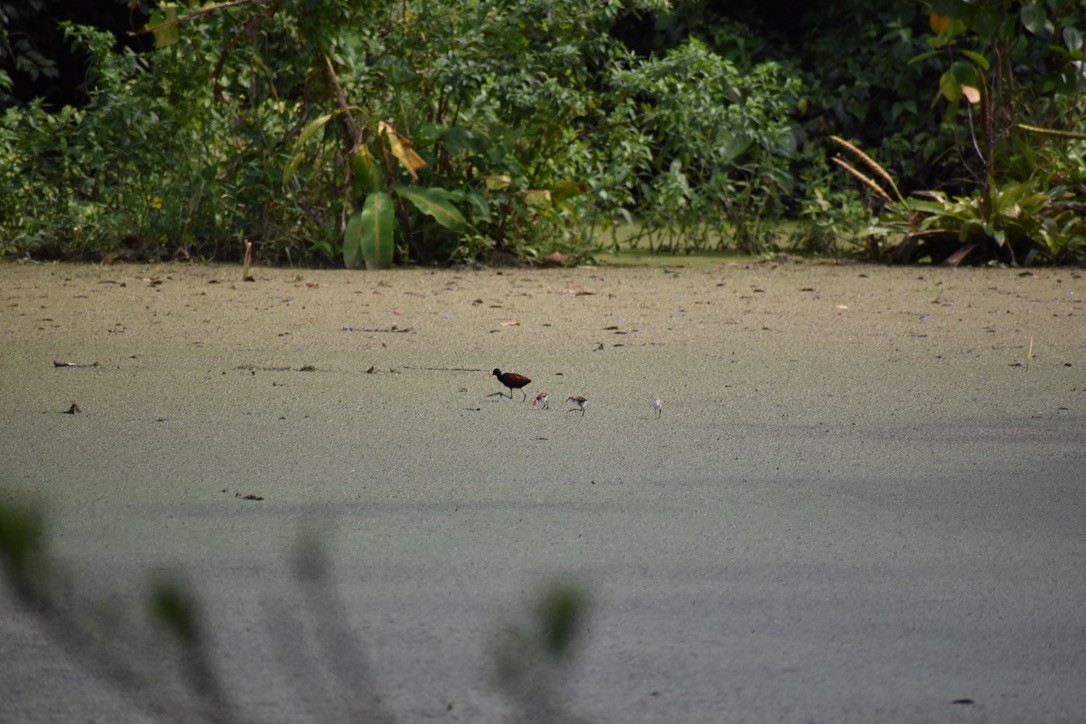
{"points": [[157, 653]]}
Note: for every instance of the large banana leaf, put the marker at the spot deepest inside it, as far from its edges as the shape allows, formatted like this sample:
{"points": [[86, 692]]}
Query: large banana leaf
{"points": [[434, 203], [307, 133], [368, 174], [368, 237]]}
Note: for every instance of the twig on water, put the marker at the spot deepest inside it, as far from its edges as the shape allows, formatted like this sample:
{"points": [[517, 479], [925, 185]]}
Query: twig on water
{"points": [[245, 277]]}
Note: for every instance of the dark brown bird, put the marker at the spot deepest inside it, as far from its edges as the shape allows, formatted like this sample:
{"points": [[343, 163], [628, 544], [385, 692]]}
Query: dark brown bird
{"points": [[513, 381]]}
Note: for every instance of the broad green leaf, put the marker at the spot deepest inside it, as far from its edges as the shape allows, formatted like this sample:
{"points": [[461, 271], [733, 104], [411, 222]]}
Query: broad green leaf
{"points": [[1033, 17], [733, 146], [299, 155], [1072, 38], [307, 134], [398, 71], [292, 166], [457, 139], [378, 244], [984, 22], [964, 73], [463, 140], [479, 206], [428, 134], [164, 25], [367, 171], [433, 203], [312, 127], [369, 234], [352, 241], [923, 56], [969, 228], [900, 107], [976, 58], [949, 87]]}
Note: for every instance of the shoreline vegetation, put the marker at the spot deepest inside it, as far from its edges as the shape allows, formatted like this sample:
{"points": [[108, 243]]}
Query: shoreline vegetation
{"points": [[503, 133]]}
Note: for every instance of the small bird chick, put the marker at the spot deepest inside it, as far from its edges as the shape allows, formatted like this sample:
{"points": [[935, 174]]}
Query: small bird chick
{"points": [[657, 405], [541, 398], [579, 401]]}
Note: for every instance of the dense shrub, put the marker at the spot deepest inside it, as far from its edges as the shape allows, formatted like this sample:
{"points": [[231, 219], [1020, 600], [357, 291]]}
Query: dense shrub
{"points": [[356, 131]]}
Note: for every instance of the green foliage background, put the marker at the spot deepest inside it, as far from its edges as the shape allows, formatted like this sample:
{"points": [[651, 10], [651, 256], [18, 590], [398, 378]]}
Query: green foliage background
{"points": [[357, 131]]}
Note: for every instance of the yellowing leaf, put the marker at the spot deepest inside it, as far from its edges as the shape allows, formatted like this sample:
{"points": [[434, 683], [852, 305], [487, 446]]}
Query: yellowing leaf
{"points": [[567, 189], [496, 183], [164, 25], [939, 24], [313, 126], [402, 149], [539, 198]]}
